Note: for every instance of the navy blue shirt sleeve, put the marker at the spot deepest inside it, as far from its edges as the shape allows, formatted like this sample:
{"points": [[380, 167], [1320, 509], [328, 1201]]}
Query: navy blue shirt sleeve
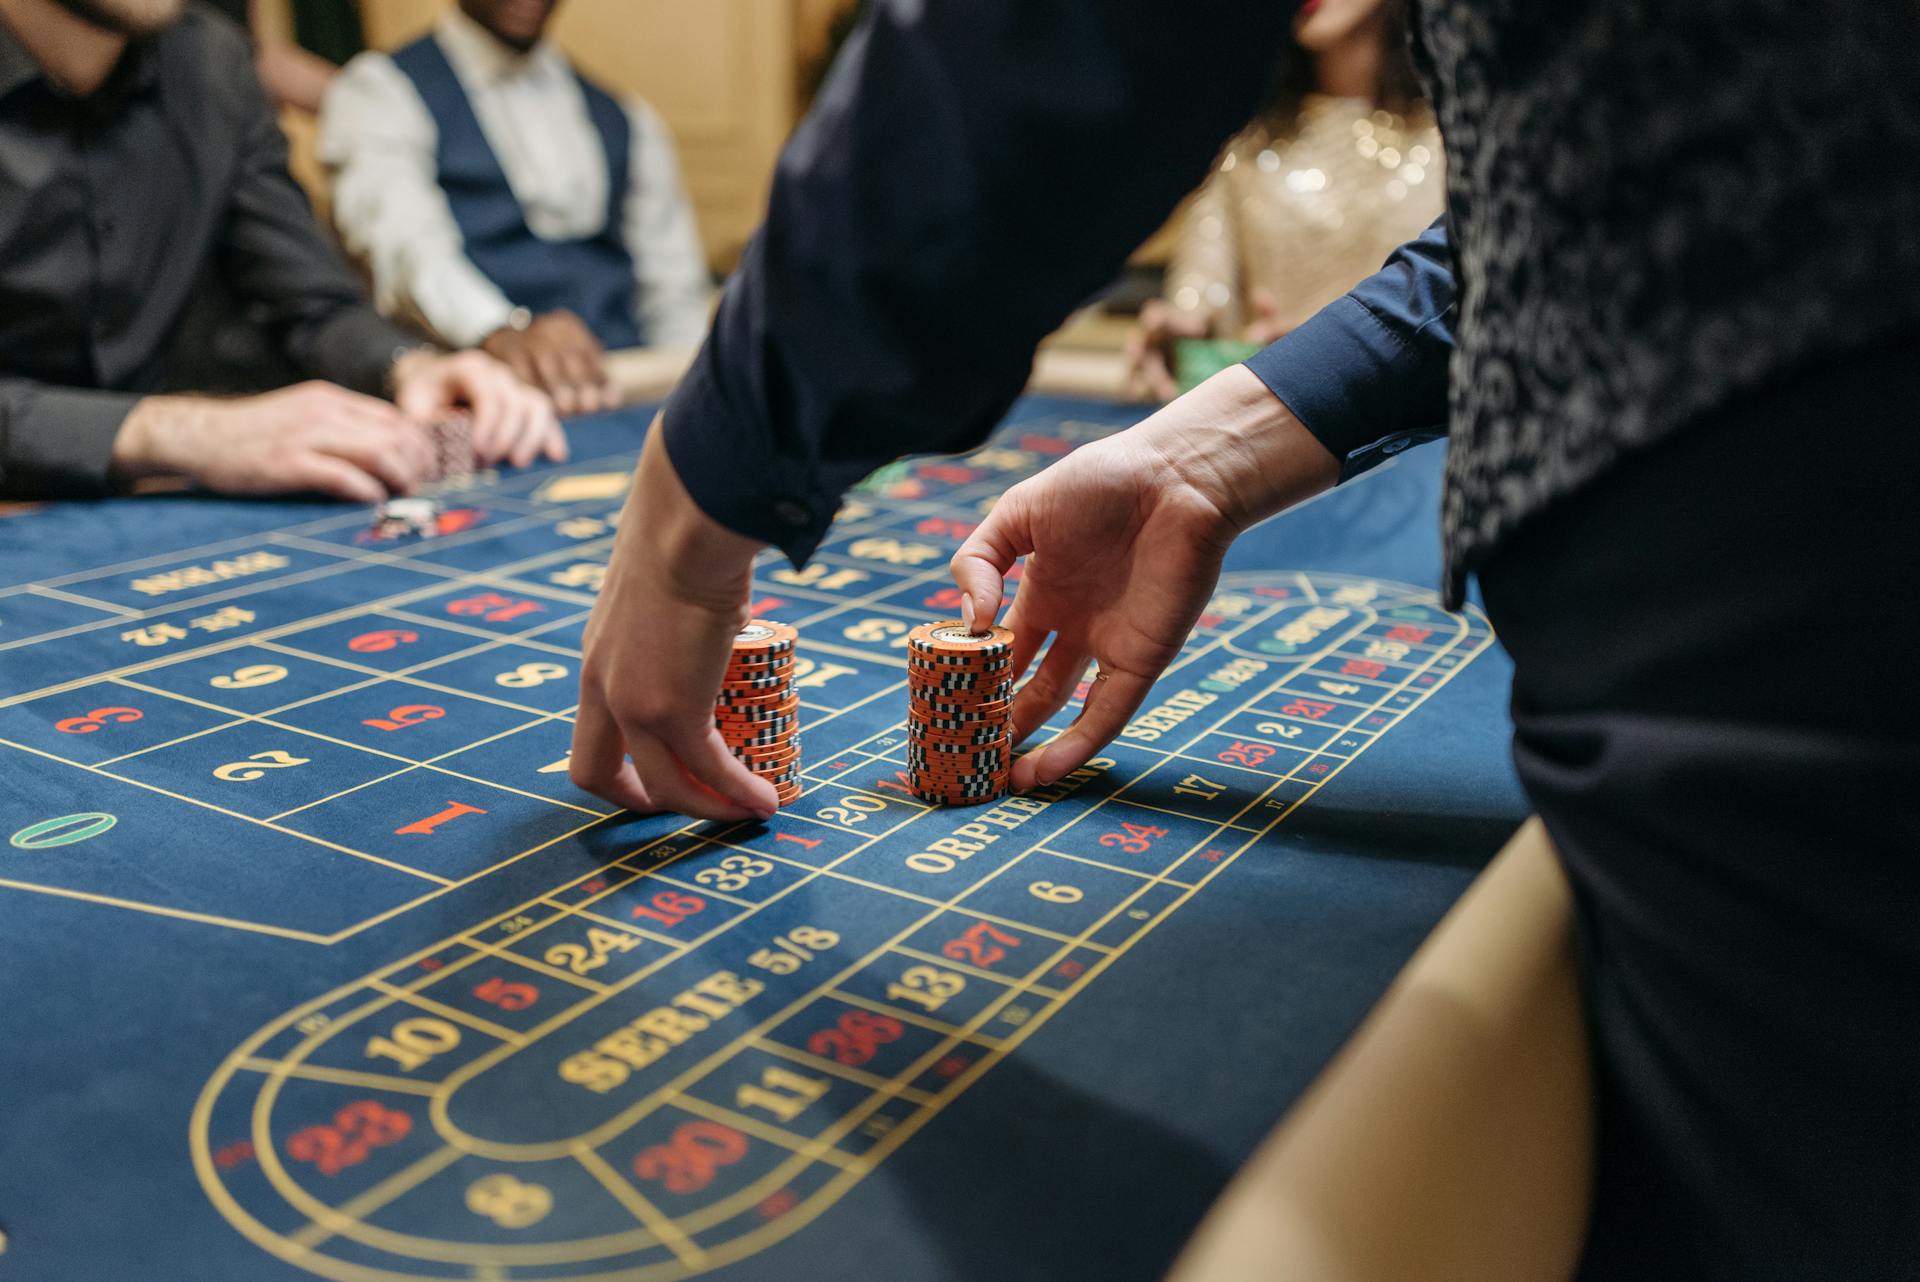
{"points": [[1367, 374], [970, 173]]}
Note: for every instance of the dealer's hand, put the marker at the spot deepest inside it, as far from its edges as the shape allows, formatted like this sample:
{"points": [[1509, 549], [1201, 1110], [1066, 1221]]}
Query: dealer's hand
{"points": [[1124, 540], [656, 649], [512, 422], [557, 352]]}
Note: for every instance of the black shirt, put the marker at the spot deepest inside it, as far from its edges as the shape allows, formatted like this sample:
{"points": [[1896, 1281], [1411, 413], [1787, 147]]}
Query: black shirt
{"points": [[116, 210]]}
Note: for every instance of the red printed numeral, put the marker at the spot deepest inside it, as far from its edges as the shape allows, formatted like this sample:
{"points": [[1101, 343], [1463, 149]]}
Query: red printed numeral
{"points": [[1132, 838], [95, 720], [507, 995], [493, 607], [670, 908], [1311, 709], [1362, 668], [855, 1038], [944, 599], [686, 1163], [968, 946], [376, 642], [1244, 754], [409, 714], [357, 1130]]}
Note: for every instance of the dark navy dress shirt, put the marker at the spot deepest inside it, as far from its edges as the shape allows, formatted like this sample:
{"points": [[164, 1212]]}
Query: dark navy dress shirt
{"points": [[1651, 209]]}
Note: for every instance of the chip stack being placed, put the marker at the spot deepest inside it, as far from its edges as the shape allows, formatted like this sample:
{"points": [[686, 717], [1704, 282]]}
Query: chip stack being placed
{"points": [[758, 710], [959, 702]]}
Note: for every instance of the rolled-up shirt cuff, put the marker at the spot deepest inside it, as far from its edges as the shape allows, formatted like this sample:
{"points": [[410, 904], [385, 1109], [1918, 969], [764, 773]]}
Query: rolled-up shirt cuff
{"points": [[1347, 377], [730, 467], [58, 441]]}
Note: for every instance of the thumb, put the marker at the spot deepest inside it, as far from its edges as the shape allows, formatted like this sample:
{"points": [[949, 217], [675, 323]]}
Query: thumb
{"points": [[980, 567]]}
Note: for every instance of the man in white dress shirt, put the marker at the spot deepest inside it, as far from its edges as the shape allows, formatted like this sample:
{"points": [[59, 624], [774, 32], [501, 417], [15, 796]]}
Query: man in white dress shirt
{"points": [[507, 202]]}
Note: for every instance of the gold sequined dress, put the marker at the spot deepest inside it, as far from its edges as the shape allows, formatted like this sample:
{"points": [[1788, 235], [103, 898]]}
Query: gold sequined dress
{"points": [[1306, 216]]}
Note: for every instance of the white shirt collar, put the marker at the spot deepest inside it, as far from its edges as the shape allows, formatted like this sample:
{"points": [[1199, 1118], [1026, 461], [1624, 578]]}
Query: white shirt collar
{"points": [[483, 58]]}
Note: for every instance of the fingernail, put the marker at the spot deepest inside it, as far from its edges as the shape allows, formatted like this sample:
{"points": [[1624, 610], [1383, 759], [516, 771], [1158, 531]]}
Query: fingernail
{"points": [[966, 610], [1043, 774]]}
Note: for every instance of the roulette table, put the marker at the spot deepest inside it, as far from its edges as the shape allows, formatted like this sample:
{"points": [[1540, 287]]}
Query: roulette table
{"points": [[317, 965]]}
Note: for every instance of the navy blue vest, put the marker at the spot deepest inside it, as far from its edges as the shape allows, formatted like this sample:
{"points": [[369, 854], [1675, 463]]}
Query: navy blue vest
{"points": [[592, 277]]}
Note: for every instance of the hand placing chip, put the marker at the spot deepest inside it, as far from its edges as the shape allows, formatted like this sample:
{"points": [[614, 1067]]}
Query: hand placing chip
{"points": [[657, 650], [1124, 540]]}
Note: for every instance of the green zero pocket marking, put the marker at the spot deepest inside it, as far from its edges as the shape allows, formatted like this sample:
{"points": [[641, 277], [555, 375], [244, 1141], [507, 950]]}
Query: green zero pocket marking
{"points": [[62, 831]]}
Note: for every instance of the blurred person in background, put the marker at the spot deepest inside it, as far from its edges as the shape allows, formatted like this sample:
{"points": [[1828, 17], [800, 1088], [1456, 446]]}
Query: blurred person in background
{"points": [[504, 200], [1342, 165], [141, 168]]}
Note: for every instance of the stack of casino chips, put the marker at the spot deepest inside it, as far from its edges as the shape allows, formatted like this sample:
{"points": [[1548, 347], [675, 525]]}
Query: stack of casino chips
{"points": [[452, 441], [758, 710], [959, 697]]}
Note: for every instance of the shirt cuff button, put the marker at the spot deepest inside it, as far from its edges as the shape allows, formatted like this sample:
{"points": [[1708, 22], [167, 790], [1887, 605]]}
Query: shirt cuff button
{"points": [[791, 514]]}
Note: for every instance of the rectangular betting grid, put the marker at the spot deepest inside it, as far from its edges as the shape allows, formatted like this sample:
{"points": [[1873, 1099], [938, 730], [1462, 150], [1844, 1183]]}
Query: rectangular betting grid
{"points": [[729, 1025]]}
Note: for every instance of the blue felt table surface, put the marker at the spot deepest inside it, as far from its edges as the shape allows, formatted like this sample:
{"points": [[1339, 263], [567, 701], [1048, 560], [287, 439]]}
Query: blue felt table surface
{"points": [[255, 1028]]}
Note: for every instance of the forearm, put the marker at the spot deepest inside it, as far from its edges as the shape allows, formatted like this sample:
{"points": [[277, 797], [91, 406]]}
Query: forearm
{"points": [[58, 440], [1367, 374], [164, 436], [1234, 441]]}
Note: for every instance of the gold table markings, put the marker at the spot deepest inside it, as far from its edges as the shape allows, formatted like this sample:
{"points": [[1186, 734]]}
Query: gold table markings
{"points": [[329, 1222], [554, 972], [790, 1140], [234, 814], [977, 972], [1046, 999], [587, 914], [927, 1022], [662, 1226], [1095, 863], [339, 1076], [895, 1085], [161, 910], [454, 1013], [705, 892]]}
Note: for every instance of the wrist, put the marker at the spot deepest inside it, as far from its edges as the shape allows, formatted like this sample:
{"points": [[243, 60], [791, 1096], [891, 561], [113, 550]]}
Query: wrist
{"points": [[701, 560], [150, 443], [1239, 446], [512, 323]]}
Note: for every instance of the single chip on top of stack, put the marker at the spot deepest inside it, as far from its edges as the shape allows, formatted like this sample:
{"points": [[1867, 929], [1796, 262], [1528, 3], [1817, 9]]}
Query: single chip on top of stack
{"points": [[959, 702], [758, 710]]}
